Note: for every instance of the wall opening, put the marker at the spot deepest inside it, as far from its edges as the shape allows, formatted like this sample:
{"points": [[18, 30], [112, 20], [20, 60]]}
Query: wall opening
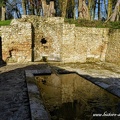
{"points": [[43, 41]]}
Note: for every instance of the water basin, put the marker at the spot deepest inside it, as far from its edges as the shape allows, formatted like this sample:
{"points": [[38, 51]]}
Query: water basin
{"points": [[71, 97]]}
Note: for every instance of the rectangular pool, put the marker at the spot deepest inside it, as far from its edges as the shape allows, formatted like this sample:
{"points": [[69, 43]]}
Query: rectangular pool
{"points": [[71, 97]]}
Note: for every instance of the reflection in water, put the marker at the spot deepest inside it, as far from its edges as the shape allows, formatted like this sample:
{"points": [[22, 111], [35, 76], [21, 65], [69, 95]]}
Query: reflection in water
{"points": [[71, 97]]}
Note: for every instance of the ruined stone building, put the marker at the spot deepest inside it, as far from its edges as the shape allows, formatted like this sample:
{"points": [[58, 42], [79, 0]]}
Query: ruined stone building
{"points": [[33, 38]]}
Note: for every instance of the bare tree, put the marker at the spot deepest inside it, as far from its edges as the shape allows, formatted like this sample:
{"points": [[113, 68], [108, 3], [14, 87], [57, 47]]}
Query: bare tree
{"points": [[12, 9], [34, 6], [70, 9], [83, 10], [24, 7], [91, 8], [99, 10], [116, 13], [109, 7], [115, 16], [105, 6], [48, 9], [63, 7], [3, 9]]}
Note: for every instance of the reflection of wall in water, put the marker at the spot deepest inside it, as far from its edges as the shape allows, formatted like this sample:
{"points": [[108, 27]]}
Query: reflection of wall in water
{"points": [[50, 87], [58, 89]]}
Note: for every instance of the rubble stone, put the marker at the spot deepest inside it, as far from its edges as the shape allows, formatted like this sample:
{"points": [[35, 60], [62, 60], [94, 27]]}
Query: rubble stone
{"points": [[21, 41]]}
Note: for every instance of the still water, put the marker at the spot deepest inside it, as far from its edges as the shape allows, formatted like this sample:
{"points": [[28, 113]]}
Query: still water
{"points": [[71, 97]]}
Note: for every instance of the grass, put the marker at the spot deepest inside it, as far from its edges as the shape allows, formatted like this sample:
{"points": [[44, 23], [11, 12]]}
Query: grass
{"points": [[95, 23], [4, 23], [82, 23]]}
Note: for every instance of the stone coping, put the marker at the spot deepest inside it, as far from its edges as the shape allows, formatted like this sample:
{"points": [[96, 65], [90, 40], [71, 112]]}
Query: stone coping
{"points": [[37, 108]]}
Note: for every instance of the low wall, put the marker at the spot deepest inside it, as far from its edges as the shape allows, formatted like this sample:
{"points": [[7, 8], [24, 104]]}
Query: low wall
{"points": [[22, 41]]}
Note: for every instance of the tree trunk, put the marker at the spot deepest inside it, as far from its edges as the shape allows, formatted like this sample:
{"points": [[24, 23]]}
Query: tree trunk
{"points": [[70, 9], [32, 7], [24, 7], [39, 7], [44, 8], [99, 10], [51, 9], [115, 16], [83, 10], [94, 9], [91, 9], [116, 13], [63, 6], [105, 7], [3, 13], [109, 7]]}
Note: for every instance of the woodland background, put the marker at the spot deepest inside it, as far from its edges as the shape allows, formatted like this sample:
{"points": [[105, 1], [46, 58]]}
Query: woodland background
{"points": [[105, 10]]}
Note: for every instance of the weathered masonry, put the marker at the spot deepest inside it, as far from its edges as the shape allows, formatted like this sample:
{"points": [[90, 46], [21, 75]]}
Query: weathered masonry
{"points": [[33, 38]]}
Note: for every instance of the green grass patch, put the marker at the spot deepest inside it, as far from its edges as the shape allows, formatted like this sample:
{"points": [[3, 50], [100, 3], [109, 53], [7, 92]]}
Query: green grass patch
{"points": [[4, 23], [95, 23]]}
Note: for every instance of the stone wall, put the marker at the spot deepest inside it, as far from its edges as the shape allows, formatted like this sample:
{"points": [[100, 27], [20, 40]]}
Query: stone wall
{"points": [[68, 40], [81, 44], [16, 42], [94, 44], [113, 49], [49, 29], [33, 38]]}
